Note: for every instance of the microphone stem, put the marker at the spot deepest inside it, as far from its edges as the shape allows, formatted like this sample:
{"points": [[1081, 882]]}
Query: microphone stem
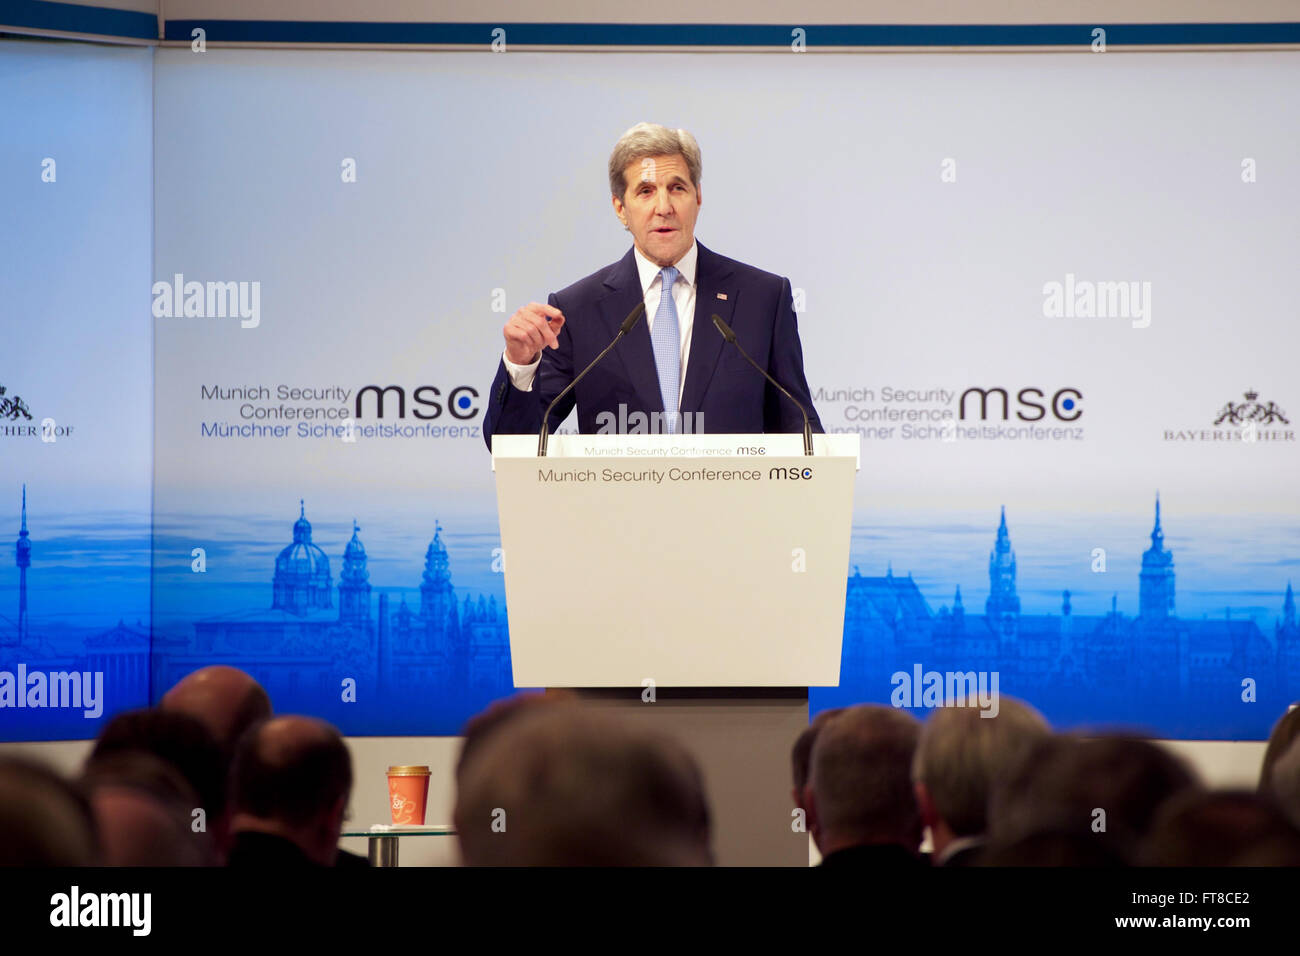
{"points": [[807, 427]]}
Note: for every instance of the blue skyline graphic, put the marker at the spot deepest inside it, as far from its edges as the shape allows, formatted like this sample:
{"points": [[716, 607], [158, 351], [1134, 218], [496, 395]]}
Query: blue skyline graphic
{"points": [[1153, 671], [426, 654]]}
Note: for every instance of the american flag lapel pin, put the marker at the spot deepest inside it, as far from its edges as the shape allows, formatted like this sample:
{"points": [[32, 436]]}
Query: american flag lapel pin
{"points": [[722, 296]]}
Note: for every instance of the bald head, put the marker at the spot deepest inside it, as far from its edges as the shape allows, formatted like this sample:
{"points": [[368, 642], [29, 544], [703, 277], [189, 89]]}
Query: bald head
{"points": [[292, 776], [290, 768], [225, 699]]}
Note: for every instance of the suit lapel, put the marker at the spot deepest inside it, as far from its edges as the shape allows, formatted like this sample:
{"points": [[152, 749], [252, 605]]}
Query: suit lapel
{"points": [[635, 351], [712, 278]]}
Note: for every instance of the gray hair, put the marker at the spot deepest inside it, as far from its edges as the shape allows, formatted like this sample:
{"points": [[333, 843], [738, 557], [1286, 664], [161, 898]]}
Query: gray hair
{"points": [[962, 752], [645, 140], [860, 782]]}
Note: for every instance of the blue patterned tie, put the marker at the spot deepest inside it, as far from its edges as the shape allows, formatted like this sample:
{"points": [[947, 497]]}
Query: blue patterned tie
{"points": [[666, 337]]}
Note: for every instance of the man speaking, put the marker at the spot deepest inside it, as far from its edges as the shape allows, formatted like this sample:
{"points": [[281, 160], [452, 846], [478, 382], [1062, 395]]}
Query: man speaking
{"points": [[673, 370]]}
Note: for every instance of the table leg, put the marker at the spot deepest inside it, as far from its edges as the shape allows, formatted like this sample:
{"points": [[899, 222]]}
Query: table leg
{"points": [[383, 850]]}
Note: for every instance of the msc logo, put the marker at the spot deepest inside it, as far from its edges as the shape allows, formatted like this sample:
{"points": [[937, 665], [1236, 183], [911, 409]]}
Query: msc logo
{"points": [[789, 474], [1065, 403], [425, 405]]}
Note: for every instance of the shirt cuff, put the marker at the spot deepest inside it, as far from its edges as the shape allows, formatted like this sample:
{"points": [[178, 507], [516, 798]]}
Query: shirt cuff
{"points": [[521, 376]]}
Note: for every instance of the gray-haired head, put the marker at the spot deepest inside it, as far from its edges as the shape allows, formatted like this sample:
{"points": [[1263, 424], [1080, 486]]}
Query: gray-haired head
{"points": [[962, 752], [645, 140]]}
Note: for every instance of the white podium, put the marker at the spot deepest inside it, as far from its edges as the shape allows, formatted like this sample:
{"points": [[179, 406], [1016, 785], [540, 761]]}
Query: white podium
{"points": [[713, 567]]}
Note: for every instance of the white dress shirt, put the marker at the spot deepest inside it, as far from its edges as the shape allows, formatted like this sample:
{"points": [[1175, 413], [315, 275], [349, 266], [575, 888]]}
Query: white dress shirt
{"points": [[651, 286]]}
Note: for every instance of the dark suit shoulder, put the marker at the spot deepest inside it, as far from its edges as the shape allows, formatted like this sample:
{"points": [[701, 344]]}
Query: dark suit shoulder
{"points": [[742, 271], [598, 283]]}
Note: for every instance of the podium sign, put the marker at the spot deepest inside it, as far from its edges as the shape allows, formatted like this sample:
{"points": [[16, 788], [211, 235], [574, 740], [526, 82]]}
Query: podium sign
{"points": [[689, 560]]}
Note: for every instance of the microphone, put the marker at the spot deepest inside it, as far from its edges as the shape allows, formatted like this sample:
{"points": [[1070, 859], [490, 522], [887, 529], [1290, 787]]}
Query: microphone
{"points": [[629, 323], [730, 336]]}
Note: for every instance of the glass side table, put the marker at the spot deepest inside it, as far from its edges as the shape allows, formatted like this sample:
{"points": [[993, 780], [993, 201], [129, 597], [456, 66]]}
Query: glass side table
{"points": [[383, 839]]}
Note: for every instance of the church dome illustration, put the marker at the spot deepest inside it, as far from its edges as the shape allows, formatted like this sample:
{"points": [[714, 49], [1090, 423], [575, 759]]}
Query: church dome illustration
{"points": [[354, 583], [437, 596], [354, 557], [302, 572]]}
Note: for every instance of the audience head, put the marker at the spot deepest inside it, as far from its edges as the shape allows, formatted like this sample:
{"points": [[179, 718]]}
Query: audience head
{"points": [[1053, 848], [801, 753], [1224, 828], [544, 780], [146, 812], [801, 761], [292, 777], [1110, 787], [1285, 783], [44, 820], [184, 744], [860, 787], [224, 699], [962, 751], [1285, 732], [500, 713], [563, 785]]}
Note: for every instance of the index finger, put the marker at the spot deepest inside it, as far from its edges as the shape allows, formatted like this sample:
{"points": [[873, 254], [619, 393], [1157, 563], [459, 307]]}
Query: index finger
{"points": [[549, 310]]}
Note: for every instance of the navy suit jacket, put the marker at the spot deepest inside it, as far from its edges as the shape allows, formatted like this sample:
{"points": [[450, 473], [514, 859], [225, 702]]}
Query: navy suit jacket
{"points": [[722, 393]]}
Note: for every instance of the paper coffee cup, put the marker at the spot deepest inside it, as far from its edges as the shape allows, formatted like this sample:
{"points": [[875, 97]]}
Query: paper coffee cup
{"points": [[408, 793]]}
